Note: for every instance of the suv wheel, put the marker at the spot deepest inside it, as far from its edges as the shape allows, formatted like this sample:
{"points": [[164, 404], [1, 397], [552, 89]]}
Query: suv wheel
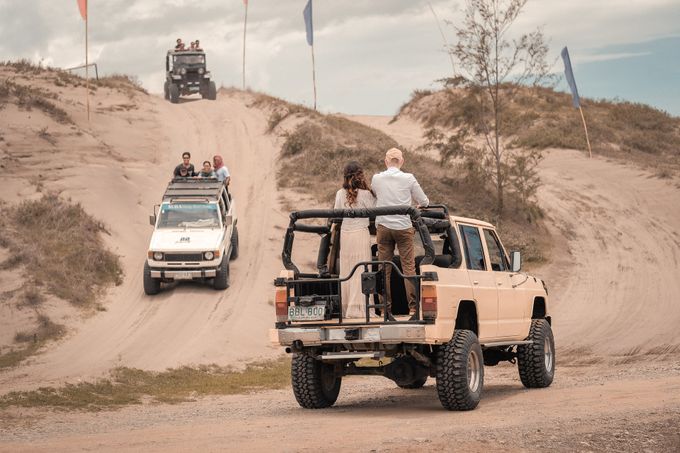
{"points": [[222, 276], [536, 361], [212, 91], [460, 372], [315, 384], [152, 286], [174, 93], [166, 90], [234, 244]]}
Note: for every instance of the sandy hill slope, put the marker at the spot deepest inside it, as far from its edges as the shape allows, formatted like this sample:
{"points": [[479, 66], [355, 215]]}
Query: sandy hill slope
{"points": [[117, 167], [613, 279]]}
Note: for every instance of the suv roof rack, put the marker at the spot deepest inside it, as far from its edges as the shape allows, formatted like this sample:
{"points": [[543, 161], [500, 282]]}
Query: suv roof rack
{"points": [[193, 188]]}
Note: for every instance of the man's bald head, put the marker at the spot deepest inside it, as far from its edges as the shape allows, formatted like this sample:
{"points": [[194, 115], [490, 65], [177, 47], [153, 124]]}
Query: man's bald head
{"points": [[394, 158]]}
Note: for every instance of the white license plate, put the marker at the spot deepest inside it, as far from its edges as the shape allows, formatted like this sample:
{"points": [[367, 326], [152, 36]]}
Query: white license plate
{"points": [[313, 313], [193, 88], [183, 276]]}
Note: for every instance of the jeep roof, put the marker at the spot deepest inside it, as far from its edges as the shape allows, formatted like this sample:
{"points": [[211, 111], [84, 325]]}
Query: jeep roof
{"points": [[209, 188]]}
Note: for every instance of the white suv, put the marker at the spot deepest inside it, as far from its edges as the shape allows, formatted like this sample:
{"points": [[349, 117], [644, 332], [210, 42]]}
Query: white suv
{"points": [[195, 235]]}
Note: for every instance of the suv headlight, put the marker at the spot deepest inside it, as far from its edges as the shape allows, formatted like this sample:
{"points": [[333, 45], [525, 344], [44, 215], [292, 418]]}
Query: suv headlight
{"points": [[209, 256], [158, 256], [183, 71], [201, 70]]}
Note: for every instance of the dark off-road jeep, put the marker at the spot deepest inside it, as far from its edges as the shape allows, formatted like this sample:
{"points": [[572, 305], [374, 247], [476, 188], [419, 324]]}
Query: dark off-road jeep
{"points": [[185, 74]]}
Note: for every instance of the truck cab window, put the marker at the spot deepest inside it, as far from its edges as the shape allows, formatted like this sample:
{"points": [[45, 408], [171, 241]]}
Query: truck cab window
{"points": [[496, 255], [474, 253]]}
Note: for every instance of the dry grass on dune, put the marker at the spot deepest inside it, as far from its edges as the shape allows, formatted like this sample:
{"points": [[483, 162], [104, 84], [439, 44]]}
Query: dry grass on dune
{"points": [[25, 69], [27, 97], [541, 118], [131, 386], [315, 152], [61, 248]]}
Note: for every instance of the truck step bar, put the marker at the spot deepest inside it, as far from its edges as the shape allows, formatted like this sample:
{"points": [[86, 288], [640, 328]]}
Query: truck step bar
{"points": [[351, 355], [506, 343]]}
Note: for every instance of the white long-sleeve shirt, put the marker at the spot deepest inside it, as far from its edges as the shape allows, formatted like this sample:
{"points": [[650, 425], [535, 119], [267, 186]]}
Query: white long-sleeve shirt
{"points": [[393, 187]]}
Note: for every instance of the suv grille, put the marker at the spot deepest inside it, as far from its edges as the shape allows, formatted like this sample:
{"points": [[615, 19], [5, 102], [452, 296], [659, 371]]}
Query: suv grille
{"points": [[183, 257]]}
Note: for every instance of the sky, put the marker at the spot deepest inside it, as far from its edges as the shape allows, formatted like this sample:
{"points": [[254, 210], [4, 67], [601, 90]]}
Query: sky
{"points": [[370, 55]]}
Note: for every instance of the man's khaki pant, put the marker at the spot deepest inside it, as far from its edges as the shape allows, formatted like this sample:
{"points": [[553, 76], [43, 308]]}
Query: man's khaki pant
{"points": [[403, 239]]}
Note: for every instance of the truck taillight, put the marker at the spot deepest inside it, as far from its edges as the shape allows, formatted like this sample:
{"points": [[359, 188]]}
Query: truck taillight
{"points": [[429, 301], [281, 305]]}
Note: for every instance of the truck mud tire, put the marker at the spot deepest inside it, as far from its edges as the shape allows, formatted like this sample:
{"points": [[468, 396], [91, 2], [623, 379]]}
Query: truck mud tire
{"points": [[221, 280], [152, 286], [166, 90], [460, 372], [173, 90], [415, 384], [234, 244], [212, 91], [536, 361], [314, 384]]}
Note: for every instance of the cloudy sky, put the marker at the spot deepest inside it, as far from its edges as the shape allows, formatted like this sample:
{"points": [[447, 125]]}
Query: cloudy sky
{"points": [[370, 54]]}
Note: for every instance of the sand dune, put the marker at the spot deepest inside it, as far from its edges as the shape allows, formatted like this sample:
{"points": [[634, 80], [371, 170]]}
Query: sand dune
{"points": [[613, 284], [190, 323]]}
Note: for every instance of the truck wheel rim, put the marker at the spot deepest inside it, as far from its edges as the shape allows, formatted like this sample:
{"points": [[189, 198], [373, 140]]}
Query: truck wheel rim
{"points": [[473, 371], [547, 348]]}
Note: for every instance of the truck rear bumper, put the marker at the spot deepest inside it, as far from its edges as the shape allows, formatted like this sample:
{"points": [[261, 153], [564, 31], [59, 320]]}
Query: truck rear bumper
{"points": [[309, 336]]}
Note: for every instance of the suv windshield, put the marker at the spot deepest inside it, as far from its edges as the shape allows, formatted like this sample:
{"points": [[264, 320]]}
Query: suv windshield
{"points": [[189, 215], [188, 59]]}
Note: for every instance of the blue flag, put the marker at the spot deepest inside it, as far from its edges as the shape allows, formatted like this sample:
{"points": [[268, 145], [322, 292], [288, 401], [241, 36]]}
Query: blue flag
{"points": [[307, 13], [569, 74]]}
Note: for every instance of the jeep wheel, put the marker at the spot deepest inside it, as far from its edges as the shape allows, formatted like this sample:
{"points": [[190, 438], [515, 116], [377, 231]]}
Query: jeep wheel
{"points": [[174, 93], [314, 383], [460, 372], [536, 361], [222, 276], [152, 286], [212, 91], [415, 384], [166, 90], [234, 244]]}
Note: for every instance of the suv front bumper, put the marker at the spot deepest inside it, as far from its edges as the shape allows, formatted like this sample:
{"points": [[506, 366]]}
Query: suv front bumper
{"points": [[183, 274]]}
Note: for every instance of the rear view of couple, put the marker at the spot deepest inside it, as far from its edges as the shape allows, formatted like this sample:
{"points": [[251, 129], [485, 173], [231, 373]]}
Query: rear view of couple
{"points": [[392, 187]]}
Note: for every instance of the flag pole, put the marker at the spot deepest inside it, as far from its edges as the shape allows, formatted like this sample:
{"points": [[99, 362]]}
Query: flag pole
{"points": [[446, 42], [87, 71], [245, 24], [590, 152], [314, 75]]}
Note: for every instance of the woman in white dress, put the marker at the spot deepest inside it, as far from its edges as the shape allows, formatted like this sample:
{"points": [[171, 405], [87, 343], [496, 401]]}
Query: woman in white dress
{"points": [[355, 240]]}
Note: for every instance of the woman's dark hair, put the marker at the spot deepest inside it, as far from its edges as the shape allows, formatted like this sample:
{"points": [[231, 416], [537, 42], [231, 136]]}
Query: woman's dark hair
{"points": [[207, 162], [353, 181]]}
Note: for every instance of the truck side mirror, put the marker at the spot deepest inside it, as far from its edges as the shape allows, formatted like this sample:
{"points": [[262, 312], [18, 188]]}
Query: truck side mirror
{"points": [[516, 262], [152, 220]]}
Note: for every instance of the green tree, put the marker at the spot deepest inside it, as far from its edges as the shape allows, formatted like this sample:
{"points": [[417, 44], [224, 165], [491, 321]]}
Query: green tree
{"points": [[494, 66]]}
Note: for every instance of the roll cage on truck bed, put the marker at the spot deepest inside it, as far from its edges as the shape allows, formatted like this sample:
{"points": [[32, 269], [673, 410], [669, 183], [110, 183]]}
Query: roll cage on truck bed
{"points": [[460, 323]]}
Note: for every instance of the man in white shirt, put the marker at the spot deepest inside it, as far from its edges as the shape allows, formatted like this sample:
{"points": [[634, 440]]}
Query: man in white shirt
{"points": [[393, 187]]}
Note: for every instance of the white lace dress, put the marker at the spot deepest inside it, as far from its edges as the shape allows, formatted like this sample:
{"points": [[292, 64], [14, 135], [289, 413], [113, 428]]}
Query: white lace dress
{"points": [[355, 246]]}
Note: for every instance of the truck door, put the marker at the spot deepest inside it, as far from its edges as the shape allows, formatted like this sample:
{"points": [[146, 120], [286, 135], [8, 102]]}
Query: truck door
{"points": [[483, 281], [510, 305]]}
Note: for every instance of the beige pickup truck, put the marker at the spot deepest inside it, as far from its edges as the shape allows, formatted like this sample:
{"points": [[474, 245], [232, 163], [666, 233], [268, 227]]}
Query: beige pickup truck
{"points": [[475, 308]]}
